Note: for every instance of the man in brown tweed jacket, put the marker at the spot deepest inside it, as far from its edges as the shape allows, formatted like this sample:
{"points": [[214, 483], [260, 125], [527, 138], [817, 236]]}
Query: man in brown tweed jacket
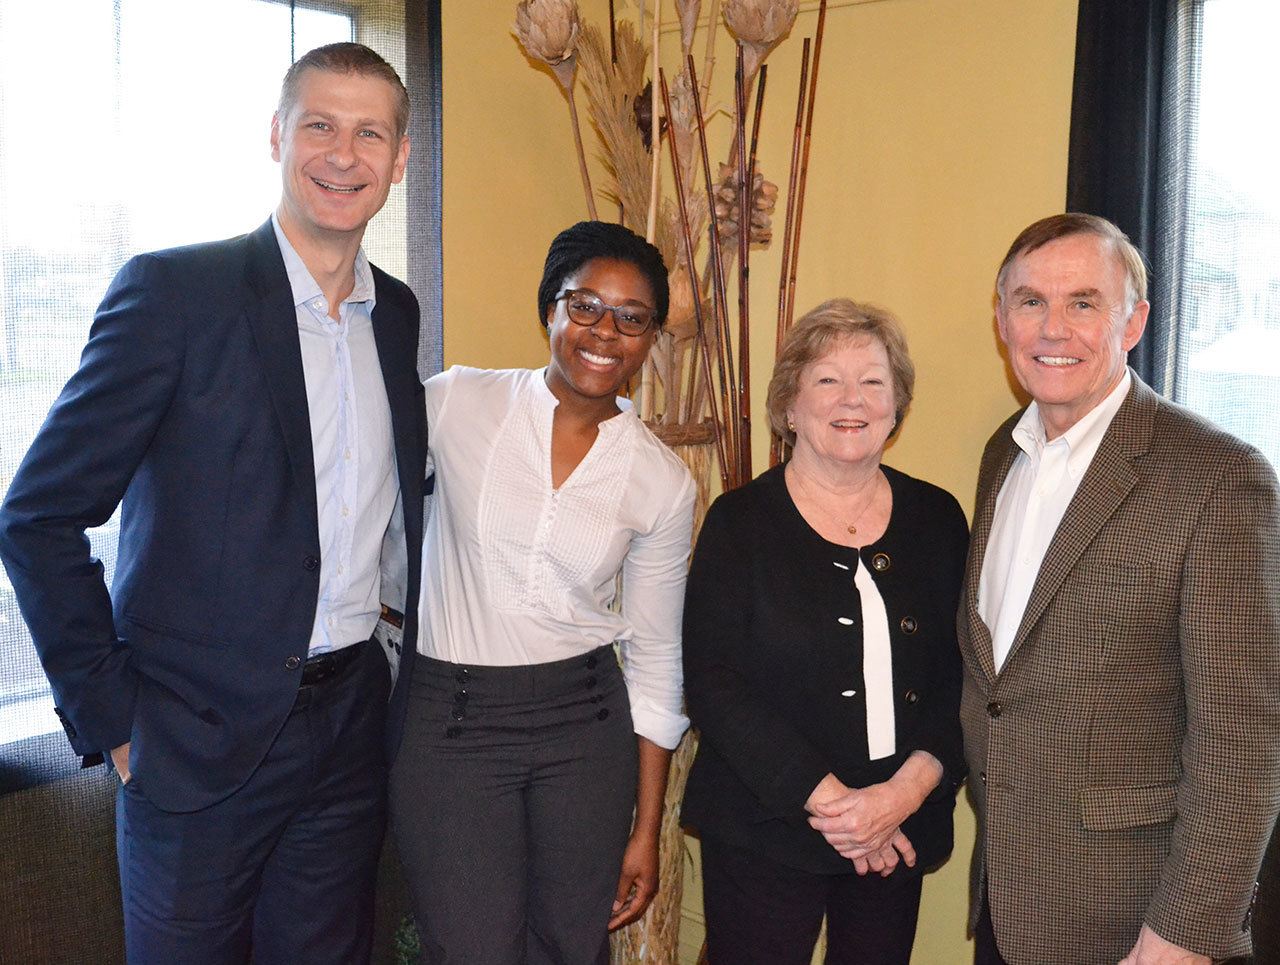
{"points": [[1120, 627]]}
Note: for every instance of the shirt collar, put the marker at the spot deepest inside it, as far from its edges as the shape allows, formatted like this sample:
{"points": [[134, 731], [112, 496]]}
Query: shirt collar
{"points": [[305, 287], [1082, 439]]}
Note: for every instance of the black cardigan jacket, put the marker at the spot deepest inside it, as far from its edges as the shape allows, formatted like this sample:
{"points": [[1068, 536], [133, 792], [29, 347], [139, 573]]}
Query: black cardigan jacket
{"points": [[767, 662]]}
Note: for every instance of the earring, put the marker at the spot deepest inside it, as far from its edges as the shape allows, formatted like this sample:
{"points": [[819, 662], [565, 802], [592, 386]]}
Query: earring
{"points": [[791, 426]]}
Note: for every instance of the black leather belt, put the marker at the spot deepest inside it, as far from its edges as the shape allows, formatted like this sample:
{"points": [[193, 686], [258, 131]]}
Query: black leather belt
{"points": [[324, 666]]}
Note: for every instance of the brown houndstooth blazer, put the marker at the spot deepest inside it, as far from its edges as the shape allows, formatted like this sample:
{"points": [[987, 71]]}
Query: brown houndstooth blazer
{"points": [[1125, 762]]}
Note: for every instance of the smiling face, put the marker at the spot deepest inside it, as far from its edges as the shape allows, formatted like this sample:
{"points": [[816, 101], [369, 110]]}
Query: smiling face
{"points": [[592, 364], [339, 154], [1065, 318], [844, 408]]}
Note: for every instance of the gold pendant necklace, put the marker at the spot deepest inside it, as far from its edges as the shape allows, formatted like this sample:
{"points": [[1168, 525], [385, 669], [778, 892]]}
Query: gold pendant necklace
{"points": [[850, 524]]}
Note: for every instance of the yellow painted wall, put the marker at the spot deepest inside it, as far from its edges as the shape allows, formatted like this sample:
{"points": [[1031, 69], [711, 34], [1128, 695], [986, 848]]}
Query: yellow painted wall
{"points": [[941, 130]]}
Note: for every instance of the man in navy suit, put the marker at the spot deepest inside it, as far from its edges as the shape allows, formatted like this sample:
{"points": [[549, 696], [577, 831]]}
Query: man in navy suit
{"points": [[254, 405]]}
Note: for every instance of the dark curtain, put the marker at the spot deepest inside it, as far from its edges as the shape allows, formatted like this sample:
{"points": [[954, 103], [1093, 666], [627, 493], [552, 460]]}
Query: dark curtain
{"points": [[423, 53], [1132, 121]]}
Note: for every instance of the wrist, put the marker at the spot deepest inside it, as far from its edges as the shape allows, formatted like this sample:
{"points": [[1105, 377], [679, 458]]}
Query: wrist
{"points": [[647, 826], [828, 788], [917, 778]]}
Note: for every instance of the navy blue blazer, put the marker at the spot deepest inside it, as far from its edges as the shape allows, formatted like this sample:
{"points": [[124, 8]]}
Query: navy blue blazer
{"points": [[190, 407]]}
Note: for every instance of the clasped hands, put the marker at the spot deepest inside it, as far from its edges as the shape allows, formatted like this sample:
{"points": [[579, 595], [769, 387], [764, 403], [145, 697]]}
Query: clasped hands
{"points": [[865, 824], [862, 824]]}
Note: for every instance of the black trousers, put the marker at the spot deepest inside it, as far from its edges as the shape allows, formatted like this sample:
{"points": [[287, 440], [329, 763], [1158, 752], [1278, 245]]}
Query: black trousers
{"points": [[1266, 914], [284, 868], [759, 912], [511, 799], [985, 950]]}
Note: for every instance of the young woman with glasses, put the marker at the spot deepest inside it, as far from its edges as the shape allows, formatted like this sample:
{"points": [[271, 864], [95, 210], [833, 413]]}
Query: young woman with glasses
{"points": [[527, 748]]}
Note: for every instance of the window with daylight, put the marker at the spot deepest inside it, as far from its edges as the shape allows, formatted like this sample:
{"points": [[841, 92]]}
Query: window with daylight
{"points": [[127, 126], [1228, 346]]}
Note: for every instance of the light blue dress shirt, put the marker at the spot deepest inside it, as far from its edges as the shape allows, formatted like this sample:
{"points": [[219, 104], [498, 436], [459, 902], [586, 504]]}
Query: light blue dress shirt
{"points": [[356, 483]]}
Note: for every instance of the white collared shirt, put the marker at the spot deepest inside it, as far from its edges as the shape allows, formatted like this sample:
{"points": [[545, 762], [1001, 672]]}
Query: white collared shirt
{"points": [[1035, 495], [515, 572], [352, 446]]}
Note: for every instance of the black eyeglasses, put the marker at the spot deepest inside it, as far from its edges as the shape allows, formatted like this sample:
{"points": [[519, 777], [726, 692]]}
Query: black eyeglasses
{"points": [[585, 309]]}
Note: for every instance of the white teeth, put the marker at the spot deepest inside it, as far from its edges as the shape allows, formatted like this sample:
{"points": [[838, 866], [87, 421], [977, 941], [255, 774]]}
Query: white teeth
{"points": [[597, 359], [843, 424], [1056, 360], [333, 187]]}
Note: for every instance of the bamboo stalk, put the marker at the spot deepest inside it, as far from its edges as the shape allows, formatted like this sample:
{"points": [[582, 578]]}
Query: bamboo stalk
{"points": [[804, 162], [762, 77], [793, 178], [744, 269], [755, 129], [697, 303], [725, 366], [775, 445], [655, 131], [709, 61], [582, 154], [613, 30]]}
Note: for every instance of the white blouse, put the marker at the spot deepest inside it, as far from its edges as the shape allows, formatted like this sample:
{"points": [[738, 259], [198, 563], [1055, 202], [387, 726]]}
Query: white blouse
{"points": [[515, 572]]}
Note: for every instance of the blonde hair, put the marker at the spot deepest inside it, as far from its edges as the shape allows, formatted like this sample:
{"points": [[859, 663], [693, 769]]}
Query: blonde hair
{"points": [[820, 330]]}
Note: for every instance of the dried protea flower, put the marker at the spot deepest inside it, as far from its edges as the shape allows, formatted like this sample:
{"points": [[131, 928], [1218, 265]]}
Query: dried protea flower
{"points": [[681, 321], [759, 25], [764, 198], [682, 124], [548, 31], [687, 11]]}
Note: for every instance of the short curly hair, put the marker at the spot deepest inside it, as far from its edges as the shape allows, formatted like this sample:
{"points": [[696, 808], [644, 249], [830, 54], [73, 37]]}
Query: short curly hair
{"points": [[818, 332], [587, 240]]}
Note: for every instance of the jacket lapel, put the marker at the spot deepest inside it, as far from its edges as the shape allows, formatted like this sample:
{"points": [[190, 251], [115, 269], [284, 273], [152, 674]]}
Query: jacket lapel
{"points": [[273, 320], [994, 470], [396, 379], [395, 338], [1105, 485]]}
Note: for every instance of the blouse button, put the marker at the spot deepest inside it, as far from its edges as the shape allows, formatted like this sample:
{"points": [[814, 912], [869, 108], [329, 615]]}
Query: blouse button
{"points": [[908, 625], [881, 562], [911, 696]]}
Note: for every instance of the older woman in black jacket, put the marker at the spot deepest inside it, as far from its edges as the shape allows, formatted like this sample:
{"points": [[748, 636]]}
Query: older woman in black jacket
{"points": [[821, 666]]}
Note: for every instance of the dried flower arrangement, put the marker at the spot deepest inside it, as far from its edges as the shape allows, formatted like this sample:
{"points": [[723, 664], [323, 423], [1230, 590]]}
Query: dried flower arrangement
{"points": [[695, 390]]}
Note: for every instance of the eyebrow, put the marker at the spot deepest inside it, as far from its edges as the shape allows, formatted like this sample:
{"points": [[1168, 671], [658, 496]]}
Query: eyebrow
{"points": [[630, 301], [307, 112], [1023, 291]]}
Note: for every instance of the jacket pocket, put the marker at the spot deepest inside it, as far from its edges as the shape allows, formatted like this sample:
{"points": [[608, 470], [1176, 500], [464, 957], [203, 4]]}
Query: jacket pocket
{"points": [[1119, 808], [153, 628]]}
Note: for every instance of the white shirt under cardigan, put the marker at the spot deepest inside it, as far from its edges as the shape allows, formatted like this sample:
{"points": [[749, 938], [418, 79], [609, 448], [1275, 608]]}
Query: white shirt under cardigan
{"points": [[354, 453], [515, 572], [1035, 495]]}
